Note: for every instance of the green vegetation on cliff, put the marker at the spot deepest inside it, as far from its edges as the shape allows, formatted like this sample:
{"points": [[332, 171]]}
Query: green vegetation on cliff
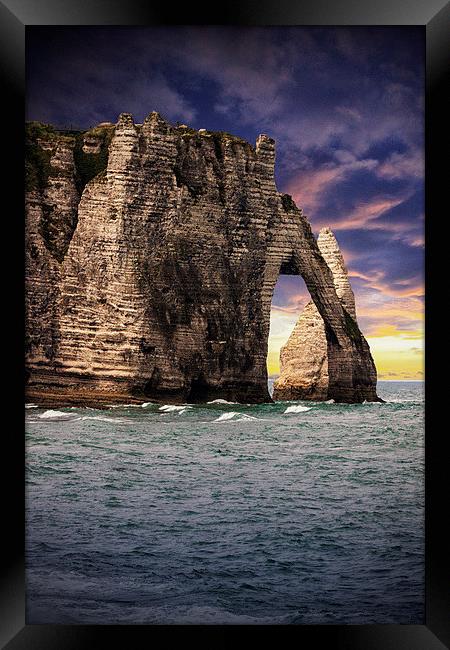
{"points": [[37, 159], [219, 137], [41, 141], [89, 165]]}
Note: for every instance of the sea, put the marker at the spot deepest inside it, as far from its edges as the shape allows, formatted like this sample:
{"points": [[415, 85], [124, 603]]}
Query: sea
{"points": [[284, 513]]}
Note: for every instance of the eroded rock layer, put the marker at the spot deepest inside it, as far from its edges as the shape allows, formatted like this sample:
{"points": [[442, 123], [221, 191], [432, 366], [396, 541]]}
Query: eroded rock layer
{"points": [[304, 364], [152, 256]]}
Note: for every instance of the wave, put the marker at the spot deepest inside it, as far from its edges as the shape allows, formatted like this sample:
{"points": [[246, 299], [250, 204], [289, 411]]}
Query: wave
{"points": [[226, 416], [82, 408], [234, 414], [168, 408], [297, 409], [221, 401], [53, 415], [73, 417], [31, 406]]}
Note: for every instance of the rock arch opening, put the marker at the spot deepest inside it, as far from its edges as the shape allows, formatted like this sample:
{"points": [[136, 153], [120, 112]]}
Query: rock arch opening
{"points": [[290, 297]]}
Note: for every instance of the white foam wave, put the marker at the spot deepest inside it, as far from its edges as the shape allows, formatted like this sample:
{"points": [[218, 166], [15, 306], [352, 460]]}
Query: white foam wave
{"points": [[329, 401], [84, 408], [60, 415], [50, 415], [221, 401], [226, 416], [297, 409], [31, 406], [234, 414], [167, 408]]}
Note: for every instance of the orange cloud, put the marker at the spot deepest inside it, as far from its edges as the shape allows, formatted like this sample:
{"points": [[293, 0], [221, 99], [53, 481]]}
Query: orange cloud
{"points": [[307, 188], [376, 281], [364, 215], [418, 240], [388, 289]]}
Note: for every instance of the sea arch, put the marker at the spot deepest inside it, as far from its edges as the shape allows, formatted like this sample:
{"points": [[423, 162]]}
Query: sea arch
{"points": [[164, 291], [351, 373]]}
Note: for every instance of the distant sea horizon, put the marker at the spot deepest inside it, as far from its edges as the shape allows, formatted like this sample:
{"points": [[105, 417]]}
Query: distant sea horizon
{"points": [[273, 377]]}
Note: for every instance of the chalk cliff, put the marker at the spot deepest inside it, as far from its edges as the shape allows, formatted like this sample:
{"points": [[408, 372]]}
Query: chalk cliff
{"points": [[304, 358], [152, 253]]}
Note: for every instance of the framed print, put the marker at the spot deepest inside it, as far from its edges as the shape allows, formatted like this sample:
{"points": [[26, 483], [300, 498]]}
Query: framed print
{"points": [[226, 258]]}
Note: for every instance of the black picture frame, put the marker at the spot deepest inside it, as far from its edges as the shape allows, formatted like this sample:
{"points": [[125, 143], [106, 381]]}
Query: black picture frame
{"points": [[15, 15]]}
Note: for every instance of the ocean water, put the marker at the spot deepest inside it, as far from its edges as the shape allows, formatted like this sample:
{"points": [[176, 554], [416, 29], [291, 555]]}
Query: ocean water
{"points": [[285, 513]]}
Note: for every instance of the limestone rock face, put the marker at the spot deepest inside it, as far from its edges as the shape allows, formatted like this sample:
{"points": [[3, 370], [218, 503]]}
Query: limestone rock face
{"points": [[332, 255], [51, 205], [304, 359], [156, 281]]}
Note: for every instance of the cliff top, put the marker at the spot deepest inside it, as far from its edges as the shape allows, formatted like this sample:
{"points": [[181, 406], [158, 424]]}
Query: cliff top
{"points": [[47, 132], [91, 146]]}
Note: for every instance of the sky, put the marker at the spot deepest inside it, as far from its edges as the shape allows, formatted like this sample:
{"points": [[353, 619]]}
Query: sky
{"points": [[345, 106]]}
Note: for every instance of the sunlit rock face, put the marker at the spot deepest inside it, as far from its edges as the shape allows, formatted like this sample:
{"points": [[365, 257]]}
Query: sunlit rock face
{"points": [[304, 360], [152, 256]]}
